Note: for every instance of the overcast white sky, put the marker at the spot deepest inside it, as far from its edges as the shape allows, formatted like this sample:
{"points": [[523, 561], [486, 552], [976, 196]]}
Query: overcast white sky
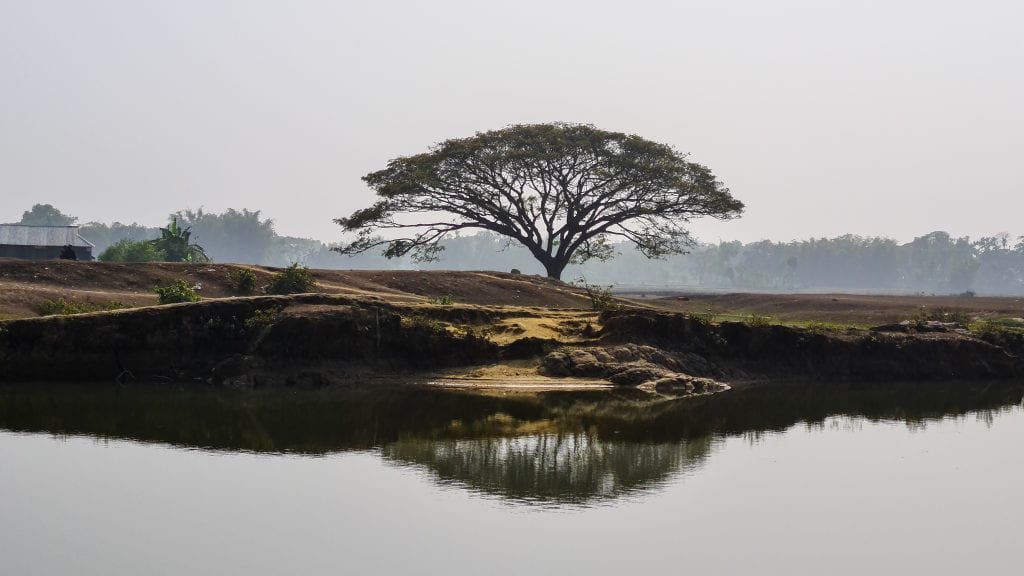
{"points": [[825, 117]]}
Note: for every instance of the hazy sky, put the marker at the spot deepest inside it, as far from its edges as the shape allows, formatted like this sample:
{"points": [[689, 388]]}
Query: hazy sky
{"points": [[825, 117]]}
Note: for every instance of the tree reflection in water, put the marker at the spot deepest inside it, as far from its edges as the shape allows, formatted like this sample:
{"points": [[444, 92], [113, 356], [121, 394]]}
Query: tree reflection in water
{"points": [[561, 468], [555, 448]]}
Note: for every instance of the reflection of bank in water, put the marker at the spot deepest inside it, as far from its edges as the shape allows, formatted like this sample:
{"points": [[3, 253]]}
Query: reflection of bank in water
{"points": [[573, 448], [552, 468]]}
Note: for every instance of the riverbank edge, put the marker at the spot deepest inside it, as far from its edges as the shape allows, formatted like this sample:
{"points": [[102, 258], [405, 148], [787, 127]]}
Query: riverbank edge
{"points": [[314, 341]]}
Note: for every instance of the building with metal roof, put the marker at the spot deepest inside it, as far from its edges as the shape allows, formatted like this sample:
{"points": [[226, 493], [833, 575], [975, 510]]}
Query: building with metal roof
{"points": [[42, 242]]}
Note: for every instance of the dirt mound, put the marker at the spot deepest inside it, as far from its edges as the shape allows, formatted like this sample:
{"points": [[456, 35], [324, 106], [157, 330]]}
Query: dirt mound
{"points": [[24, 285]]}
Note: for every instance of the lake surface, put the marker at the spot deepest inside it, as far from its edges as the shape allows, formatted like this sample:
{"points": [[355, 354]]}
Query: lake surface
{"points": [[826, 479]]}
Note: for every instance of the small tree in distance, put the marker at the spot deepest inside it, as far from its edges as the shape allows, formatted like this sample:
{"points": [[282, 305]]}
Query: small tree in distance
{"points": [[564, 191], [175, 243], [46, 215]]}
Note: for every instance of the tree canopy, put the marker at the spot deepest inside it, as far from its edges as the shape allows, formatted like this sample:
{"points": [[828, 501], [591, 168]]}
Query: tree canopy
{"points": [[46, 215], [232, 236], [564, 191]]}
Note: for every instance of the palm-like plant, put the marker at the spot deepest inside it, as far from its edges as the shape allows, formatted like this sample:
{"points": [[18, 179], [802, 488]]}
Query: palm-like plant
{"points": [[174, 243]]}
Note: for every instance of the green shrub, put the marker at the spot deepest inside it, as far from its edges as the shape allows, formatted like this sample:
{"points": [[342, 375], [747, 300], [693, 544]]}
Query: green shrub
{"points": [[294, 279], [65, 307], [601, 298], [759, 321], [180, 291], [423, 324], [261, 319], [446, 300], [242, 281], [705, 318], [61, 306], [126, 250]]}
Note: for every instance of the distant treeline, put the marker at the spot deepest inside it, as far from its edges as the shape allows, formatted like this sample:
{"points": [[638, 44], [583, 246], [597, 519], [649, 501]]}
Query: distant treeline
{"points": [[934, 263]]}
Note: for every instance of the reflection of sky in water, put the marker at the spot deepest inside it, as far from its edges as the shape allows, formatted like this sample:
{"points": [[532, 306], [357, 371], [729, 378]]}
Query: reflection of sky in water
{"points": [[846, 496], [740, 484]]}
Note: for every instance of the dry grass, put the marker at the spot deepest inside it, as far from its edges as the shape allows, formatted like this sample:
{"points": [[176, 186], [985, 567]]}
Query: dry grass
{"points": [[838, 311]]}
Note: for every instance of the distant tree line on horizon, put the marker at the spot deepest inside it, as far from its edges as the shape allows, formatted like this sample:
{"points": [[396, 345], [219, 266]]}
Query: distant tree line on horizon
{"points": [[934, 263]]}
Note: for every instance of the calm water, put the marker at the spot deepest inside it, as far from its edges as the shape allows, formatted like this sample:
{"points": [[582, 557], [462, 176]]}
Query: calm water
{"points": [[916, 479]]}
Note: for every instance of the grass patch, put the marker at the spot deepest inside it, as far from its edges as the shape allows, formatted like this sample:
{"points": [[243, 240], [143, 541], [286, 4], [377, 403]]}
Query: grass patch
{"points": [[1000, 331], [705, 318], [826, 326], [424, 324], [758, 321], [957, 317], [996, 326], [64, 307], [261, 319], [446, 300]]}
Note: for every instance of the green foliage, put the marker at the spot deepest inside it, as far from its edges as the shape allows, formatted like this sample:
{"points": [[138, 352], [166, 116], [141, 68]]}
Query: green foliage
{"points": [[826, 327], [1008, 333], [262, 318], [705, 318], [446, 300], [232, 236], [758, 321], [126, 250], [46, 215], [600, 297], [63, 306], [423, 324], [176, 246], [180, 291], [242, 281], [106, 235], [294, 279], [562, 190], [997, 325]]}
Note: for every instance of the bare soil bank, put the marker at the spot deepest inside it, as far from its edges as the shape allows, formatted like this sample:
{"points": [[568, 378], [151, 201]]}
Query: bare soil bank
{"points": [[320, 340], [494, 328]]}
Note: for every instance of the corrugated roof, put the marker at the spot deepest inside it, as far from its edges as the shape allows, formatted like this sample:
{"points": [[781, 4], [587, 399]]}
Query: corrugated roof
{"points": [[24, 235]]}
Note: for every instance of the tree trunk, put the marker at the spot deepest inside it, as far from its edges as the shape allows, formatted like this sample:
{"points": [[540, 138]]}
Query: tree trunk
{"points": [[555, 268]]}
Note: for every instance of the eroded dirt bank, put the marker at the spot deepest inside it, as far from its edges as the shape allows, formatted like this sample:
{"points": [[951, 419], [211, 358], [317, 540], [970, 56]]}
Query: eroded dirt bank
{"points": [[318, 340]]}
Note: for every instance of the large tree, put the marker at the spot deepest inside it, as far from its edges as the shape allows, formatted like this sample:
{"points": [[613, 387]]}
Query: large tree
{"points": [[564, 191]]}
